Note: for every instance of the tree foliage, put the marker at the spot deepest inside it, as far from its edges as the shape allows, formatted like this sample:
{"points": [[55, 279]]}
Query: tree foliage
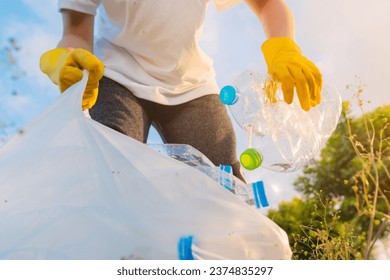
{"points": [[315, 231], [333, 174]]}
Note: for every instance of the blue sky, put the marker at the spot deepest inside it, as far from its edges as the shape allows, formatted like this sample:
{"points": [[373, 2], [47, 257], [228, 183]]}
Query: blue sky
{"points": [[344, 38]]}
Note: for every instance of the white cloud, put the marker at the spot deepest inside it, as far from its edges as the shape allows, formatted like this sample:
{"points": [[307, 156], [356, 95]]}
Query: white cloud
{"points": [[35, 35], [14, 104], [347, 38], [34, 41], [232, 38], [45, 10]]}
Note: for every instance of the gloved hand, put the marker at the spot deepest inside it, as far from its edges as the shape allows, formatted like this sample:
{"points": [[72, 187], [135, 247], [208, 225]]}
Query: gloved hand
{"points": [[65, 68], [287, 64]]}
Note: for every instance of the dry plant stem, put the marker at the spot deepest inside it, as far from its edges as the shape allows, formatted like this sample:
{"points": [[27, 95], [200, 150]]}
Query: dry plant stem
{"points": [[365, 175], [370, 241]]}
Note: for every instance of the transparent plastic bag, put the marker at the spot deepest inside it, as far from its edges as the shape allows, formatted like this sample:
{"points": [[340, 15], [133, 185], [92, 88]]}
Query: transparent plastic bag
{"points": [[282, 137], [71, 188]]}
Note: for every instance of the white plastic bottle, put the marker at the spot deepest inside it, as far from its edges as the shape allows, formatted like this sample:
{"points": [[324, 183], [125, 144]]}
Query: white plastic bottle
{"points": [[282, 137]]}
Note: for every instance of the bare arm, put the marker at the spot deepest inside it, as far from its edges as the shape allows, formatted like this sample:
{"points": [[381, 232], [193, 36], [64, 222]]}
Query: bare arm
{"points": [[78, 30], [275, 17]]}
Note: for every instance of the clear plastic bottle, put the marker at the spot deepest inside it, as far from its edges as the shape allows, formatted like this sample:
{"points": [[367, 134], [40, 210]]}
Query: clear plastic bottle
{"points": [[242, 98], [253, 194], [282, 137], [184, 153]]}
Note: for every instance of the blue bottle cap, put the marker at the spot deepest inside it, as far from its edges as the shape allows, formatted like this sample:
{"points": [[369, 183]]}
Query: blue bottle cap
{"points": [[228, 95], [259, 194], [185, 248]]}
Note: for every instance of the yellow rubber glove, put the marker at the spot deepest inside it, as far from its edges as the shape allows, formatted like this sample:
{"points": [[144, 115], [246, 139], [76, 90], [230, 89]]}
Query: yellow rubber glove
{"points": [[65, 68], [287, 64]]}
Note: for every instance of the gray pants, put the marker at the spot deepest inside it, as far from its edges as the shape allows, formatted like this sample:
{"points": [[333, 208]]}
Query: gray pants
{"points": [[202, 123]]}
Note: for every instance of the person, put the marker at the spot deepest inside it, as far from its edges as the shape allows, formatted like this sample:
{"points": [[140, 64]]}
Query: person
{"points": [[146, 68]]}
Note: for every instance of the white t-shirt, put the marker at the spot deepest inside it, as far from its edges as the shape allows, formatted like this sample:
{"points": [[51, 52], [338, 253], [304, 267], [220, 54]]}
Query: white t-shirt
{"points": [[151, 46]]}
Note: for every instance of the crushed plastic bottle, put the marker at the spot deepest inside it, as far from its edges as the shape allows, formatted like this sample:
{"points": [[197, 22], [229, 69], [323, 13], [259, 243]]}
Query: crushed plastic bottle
{"points": [[253, 194], [282, 137]]}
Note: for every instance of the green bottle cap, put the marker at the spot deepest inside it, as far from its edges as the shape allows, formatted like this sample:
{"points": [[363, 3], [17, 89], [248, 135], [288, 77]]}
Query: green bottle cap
{"points": [[251, 159]]}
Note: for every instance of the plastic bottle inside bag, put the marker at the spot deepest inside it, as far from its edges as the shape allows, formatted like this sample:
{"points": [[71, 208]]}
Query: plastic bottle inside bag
{"points": [[282, 137], [184, 153], [253, 194]]}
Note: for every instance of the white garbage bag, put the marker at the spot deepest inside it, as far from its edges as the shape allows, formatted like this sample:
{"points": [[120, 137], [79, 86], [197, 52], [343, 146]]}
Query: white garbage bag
{"points": [[71, 188]]}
